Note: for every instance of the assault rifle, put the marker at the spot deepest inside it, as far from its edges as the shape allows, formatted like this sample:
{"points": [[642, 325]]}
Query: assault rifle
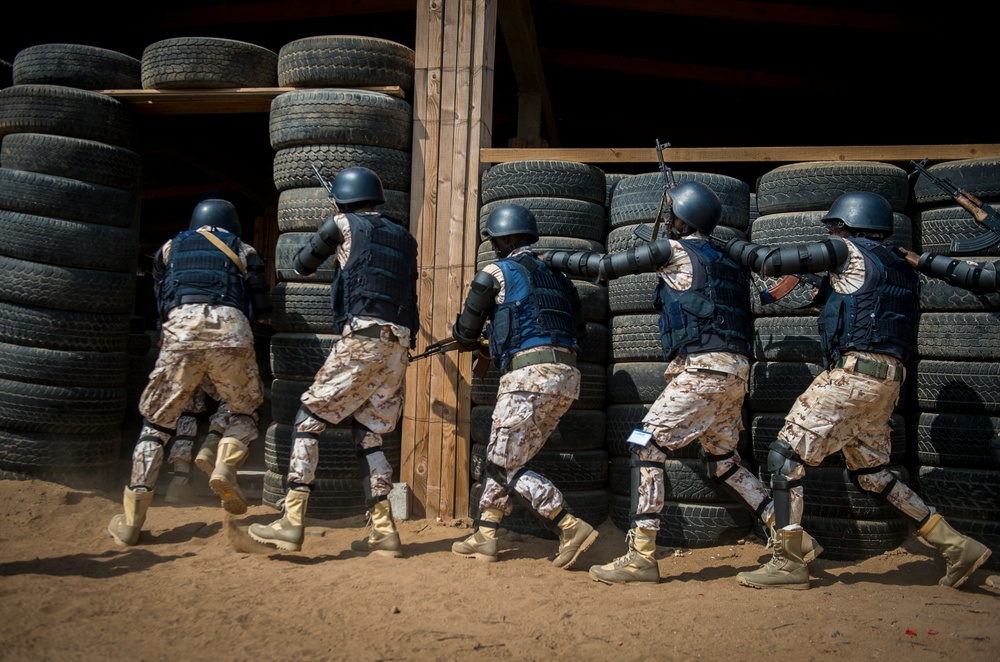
{"points": [[970, 203], [480, 360], [327, 185], [667, 177]]}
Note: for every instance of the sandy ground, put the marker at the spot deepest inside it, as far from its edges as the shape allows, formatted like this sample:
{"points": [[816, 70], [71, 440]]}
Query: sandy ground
{"points": [[196, 588]]}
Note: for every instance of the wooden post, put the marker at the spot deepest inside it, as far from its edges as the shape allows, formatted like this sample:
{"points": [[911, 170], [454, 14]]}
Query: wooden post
{"points": [[451, 121]]}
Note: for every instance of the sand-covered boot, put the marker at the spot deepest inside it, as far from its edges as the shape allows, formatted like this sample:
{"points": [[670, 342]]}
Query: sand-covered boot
{"points": [[637, 566], [205, 459], [223, 481], [289, 531], [125, 528], [575, 537], [482, 544], [962, 555], [786, 569], [383, 538], [179, 488]]}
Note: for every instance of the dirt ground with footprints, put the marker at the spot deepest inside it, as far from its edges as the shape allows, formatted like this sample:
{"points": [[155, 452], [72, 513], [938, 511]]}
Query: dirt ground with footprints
{"points": [[197, 588]]}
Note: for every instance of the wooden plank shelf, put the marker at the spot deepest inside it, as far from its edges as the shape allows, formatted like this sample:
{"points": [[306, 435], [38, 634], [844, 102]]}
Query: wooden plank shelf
{"points": [[225, 101]]}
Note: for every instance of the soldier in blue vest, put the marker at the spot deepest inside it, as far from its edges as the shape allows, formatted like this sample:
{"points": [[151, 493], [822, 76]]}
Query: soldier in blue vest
{"points": [[209, 285], [869, 308], [704, 330], [374, 300], [532, 319]]}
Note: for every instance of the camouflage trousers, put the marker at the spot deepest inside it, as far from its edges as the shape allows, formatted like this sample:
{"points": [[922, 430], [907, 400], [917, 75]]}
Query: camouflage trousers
{"points": [[182, 447], [172, 383], [703, 405], [522, 422], [362, 377], [849, 412]]}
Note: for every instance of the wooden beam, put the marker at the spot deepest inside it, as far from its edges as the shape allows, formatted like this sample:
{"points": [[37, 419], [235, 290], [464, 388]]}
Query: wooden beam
{"points": [[534, 104], [887, 153]]}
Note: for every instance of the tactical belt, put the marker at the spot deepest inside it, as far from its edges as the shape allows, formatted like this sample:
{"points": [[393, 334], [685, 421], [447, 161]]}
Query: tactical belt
{"points": [[542, 355], [871, 368], [375, 332]]}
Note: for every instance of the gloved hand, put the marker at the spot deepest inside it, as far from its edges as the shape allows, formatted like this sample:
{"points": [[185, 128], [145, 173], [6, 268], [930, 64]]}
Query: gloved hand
{"points": [[467, 342]]}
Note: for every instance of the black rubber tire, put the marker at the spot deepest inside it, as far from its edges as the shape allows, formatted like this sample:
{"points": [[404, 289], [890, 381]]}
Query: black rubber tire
{"points": [[302, 308], [955, 440], [802, 227], [61, 368], [72, 158], [287, 247], [774, 385], [979, 176], [76, 65], [38, 452], [960, 492], [856, 539], [635, 338], [937, 228], [815, 185], [300, 355], [345, 61], [633, 293], [578, 429], [68, 199], [685, 479], [66, 288], [787, 338], [797, 302], [66, 111], [63, 409], [346, 117], [636, 382], [50, 328], [292, 167], [966, 336], [305, 209], [543, 178], [331, 498], [637, 198], [68, 243], [563, 217], [691, 525], [956, 387], [337, 452], [207, 63]]}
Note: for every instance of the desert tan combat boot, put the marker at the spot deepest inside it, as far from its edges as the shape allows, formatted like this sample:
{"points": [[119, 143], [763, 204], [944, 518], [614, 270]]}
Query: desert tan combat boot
{"points": [[962, 555], [811, 549], [383, 539], [482, 544], [205, 459], [232, 453], [289, 531], [179, 488], [125, 528], [637, 566], [575, 537], [786, 569]]}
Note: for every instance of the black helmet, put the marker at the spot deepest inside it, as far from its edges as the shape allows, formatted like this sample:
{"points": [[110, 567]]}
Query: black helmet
{"points": [[216, 213], [357, 184], [860, 211], [697, 205], [508, 220]]}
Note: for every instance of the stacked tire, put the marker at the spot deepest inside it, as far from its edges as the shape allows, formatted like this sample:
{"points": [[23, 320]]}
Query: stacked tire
{"points": [[955, 383], [568, 200], [326, 126], [69, 212], [697, 512], [791, 202]]}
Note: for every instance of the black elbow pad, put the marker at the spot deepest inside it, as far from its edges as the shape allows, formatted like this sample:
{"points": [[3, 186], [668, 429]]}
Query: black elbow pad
{"points": [[643, 258], [478, 306], [805, 258], [322, 245], [747, 254], [581, 264]]}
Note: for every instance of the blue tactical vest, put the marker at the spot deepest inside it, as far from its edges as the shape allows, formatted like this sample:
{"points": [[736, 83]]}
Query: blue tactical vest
{"points": [[711, 315], [380, 277], [536, 310], [880, 316], [198, 272]]}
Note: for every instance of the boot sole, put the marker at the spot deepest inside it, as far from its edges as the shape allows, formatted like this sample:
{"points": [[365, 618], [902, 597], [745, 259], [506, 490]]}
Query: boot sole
{"points": [[583, 548], [975, 566], [232, 501], [280, 544], [476, 555], [206, 466], [612, 583], [793, 587]]}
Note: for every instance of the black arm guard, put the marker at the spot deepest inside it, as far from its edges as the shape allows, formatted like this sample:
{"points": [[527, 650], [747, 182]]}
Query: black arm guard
{"points": [[257, 288], [747, 254], [644, 258], [962, 274], [580, 264], [159, 270], [321, 245], [805, 258], [478, 306]]}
